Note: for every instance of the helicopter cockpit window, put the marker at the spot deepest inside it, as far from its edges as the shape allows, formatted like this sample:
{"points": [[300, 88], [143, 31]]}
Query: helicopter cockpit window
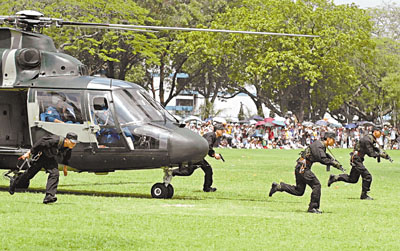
{"points": [[129, 109], [157, 106], [136, 106], [101, 114], [60, 107], [134, 111], [100, 104]]}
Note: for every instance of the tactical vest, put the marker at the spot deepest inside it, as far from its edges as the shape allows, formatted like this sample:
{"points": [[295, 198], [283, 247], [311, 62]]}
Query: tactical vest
{"points": [[52, 152], [357, 146], [361, 150], [306, 154]]}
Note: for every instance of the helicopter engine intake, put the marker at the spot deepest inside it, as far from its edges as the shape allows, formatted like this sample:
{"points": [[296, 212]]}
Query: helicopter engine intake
{"points": [[28, 58]]}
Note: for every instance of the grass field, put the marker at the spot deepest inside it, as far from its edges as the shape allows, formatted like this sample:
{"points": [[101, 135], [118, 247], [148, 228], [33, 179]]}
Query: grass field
{"points": [[239, 216]]}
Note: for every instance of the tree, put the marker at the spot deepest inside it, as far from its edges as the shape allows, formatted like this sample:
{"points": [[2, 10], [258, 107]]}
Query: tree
{"points": [[241, 112], [174, 56], [299, 74], [376, 94]]}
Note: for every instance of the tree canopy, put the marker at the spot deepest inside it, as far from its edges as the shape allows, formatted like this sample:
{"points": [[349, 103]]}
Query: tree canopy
{"points": [[352, 68]]}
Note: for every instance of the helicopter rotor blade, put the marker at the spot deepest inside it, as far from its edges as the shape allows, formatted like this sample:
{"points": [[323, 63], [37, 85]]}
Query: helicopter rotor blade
{"points": [[114, 28], [127, 26], [217, 30], [36, 19]]}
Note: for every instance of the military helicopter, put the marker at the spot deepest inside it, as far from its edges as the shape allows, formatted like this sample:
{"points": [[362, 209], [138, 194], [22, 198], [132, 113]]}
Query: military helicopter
{"points": [[119, 125]]}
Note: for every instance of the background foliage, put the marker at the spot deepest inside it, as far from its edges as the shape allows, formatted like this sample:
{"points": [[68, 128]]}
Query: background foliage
{"points": [[351, 69]]}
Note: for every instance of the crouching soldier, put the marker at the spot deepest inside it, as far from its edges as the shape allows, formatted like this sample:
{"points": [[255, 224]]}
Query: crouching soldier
{"points": [[44, 153], [211, 138], [316, 152], [364, 147]]}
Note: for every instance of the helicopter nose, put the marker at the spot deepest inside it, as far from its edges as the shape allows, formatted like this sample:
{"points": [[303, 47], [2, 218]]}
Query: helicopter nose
{"points": [[185, 146]]}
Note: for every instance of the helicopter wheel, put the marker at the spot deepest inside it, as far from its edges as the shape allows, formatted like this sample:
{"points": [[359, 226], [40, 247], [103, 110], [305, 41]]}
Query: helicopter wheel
{"points": [[159, 191], [170, 191]]}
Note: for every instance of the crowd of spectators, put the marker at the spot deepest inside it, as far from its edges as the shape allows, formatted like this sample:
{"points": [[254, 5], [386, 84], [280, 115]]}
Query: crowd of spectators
{"points": [[292, 135]]}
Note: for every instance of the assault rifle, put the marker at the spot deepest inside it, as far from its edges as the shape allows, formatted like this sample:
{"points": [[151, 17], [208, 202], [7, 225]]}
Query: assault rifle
{"points": [[328, 167], [382, 154]]}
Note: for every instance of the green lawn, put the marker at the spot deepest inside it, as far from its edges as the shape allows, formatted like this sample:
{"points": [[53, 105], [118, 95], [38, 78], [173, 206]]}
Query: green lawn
{"points": [[239, 216]]}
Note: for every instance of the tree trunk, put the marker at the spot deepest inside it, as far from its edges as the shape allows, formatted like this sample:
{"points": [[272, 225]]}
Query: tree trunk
{"points": [[259, 107], [110, 73]]}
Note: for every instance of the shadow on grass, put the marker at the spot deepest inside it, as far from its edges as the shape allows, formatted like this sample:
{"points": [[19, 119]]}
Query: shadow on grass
{"points": [[103, 184], [305, 212], [358, 198], [97, 193]]}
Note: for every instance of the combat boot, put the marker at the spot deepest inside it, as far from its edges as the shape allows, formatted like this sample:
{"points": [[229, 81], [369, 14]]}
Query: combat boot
{"points": [[49, 199], [332, 179], [274, 188], [209, 189], [364, 196], [314, 211]]}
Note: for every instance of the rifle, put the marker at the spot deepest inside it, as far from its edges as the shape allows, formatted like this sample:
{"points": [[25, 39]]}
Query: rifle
{"points": [[222, 158], [382, 152], [328, 167]]}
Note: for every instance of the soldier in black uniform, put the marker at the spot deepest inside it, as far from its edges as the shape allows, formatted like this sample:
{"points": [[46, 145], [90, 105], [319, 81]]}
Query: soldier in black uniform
{"points": [[211, 138], [316, 152], [45, 153], [364, 147]]}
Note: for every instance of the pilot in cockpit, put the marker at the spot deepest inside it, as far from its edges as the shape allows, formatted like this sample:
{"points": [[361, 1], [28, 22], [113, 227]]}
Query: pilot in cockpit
{"points": [[102, 117], [108, 133]]}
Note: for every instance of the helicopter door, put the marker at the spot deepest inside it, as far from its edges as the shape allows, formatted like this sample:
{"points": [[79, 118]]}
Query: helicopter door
{"points": [[13, 119], [58, 112], [101, 113]]}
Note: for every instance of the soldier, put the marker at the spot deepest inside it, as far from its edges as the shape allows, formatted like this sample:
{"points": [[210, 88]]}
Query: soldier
{"points": [[211, 138], [364, 147], [316, 152], [44, 153]]}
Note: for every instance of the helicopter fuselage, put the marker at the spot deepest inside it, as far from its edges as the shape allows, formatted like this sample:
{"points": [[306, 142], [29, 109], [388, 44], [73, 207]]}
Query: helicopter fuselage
{"points": [[119, 126]]}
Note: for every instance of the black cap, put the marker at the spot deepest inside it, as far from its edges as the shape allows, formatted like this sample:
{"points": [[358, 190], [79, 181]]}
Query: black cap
{"points": [[329, 135], [376, 128], [73, 137], [218, 127]]}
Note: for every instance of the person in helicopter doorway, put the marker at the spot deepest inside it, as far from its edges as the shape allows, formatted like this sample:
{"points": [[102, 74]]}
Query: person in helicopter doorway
{"points": [[211, 138], [364, 147], [316, 152], [44, 154], [59, 112]]}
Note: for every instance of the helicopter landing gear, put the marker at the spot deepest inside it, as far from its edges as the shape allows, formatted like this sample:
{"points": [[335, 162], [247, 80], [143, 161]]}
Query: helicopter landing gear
{"points": [[163, 190]]}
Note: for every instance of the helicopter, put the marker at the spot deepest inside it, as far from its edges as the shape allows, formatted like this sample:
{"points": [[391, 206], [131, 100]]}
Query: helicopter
{"points": [[119, 125]]}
